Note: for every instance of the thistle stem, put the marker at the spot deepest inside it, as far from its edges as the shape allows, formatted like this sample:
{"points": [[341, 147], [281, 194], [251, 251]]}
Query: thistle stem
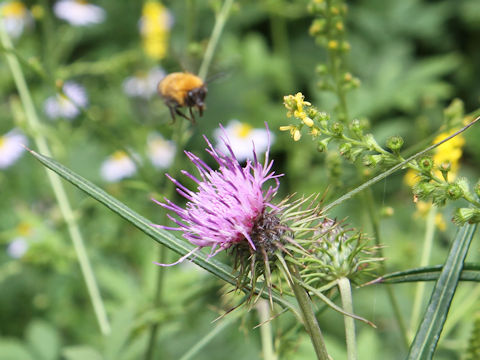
{"points": [[263, 309], [310, 321], [420, 288], [212, 43], [347, 304], [59, 191]]}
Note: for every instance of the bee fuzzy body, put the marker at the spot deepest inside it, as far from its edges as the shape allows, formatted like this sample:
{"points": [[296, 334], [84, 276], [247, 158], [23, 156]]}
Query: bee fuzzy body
{"points": [[183, 89]]}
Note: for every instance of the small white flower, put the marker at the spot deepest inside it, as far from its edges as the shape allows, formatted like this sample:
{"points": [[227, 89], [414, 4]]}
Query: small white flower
{"points": [[117, 167], [17, 248], [143, 84], [160, 151], [15, 17], [79, 12], [68, 104], [242, 138], [11, 147]]}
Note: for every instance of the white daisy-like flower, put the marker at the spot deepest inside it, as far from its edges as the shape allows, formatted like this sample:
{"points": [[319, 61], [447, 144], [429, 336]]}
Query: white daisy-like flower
{"points": [[143, 84], [17, 247], [11, 147], [242, 136], [79, 12], [68, 104], [160, 151], [117, 167], [16, 17]]}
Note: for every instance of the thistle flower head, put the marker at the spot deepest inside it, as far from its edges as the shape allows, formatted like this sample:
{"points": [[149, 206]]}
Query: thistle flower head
{"points": [[230, 204]]}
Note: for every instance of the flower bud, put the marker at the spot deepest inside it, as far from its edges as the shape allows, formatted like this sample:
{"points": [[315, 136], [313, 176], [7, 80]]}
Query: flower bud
{"points": [[423, 189], [372, 160], [356, 127], [426, 163], [323, 144], [337, 128], [454, 191], [395, 143], [345, 149], [463, 215]]}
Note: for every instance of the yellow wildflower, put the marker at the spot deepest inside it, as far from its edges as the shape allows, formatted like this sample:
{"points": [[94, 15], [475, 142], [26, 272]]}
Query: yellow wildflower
{"points": [[155, 29]]}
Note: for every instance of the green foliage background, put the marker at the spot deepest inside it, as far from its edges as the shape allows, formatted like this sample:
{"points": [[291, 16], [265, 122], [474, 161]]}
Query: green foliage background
{"points": [[412, 56]]}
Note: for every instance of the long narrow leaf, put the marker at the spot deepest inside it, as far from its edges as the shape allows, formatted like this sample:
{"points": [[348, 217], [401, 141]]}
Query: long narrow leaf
{"points": [[425, 342], [217, 268], [470, 272]]}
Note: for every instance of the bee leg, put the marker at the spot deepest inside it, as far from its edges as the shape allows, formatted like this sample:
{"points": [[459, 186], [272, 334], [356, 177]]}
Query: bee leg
{"points": [[192, 116], [177, 110], [172, 113]]}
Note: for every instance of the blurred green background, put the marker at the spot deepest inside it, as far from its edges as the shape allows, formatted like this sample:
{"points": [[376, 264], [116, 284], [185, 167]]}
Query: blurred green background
{"points": [[412, 57]]}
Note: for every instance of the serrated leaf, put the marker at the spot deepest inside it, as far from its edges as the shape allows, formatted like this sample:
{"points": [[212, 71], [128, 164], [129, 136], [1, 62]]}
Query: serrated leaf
{"points": [[426, 339]]}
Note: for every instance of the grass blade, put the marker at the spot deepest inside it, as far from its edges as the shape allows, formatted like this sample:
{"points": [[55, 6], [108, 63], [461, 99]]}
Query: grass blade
{"points": [[425, 342], [470, 272]]}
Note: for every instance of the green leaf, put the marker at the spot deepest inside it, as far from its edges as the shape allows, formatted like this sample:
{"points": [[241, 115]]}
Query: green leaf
{"points": [[81, 353], [470, 272], [425, 342], [163, 237], [14, 350], [43, 339]]}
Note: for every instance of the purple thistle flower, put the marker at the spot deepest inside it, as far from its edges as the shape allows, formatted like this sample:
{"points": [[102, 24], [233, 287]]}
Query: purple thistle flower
{"points": [[228, 202]]}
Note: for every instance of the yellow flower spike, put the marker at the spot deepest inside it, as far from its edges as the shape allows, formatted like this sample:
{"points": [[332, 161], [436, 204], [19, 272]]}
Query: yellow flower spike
{"points": [[339, 26]]}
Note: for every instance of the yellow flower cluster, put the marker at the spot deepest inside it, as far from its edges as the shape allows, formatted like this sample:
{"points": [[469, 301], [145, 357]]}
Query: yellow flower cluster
{"points": [[449, 152], [295, 107], [155, 29]]}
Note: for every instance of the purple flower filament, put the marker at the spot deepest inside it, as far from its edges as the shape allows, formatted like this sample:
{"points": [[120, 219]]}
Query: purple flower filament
{"points": [[227, 203]]}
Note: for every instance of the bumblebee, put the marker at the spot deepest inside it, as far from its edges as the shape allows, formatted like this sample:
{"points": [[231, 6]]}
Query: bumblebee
{"points": [[183, 89]]}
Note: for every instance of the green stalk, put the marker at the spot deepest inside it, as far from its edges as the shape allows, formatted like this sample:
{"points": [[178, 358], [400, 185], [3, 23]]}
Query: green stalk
{"points": [[180, 140], [263, 309], [212, 44], [373, 215], [347, 303], [309, 319], [425, 259], [57, 187]]}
